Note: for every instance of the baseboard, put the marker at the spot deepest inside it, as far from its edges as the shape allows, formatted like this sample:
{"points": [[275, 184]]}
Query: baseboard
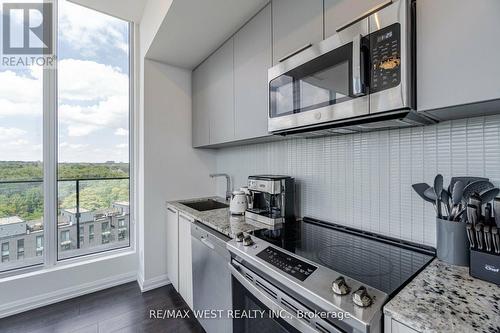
{"points": [[150, 284], [64, 294]]}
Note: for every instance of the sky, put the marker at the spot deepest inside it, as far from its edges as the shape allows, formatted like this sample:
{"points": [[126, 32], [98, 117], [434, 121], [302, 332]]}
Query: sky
{"points": [[93, 93]]}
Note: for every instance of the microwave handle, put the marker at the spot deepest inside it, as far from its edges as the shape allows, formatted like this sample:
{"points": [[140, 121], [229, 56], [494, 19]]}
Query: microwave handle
{"points": [[358, 80]]}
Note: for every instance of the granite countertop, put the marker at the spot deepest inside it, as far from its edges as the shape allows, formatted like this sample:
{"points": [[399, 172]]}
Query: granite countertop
{"points": [[444, 298], [219, 219]]}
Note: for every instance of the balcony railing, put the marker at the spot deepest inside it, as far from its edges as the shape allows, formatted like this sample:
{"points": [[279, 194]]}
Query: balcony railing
{"points": [[72, 200]]}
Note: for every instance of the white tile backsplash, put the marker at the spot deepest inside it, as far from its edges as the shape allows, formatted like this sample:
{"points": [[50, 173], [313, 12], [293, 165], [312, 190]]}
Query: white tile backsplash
{"points": [[364, 180]]}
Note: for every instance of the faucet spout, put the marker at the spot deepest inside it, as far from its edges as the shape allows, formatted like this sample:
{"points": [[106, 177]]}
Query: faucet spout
{"points": [[228, 183]]}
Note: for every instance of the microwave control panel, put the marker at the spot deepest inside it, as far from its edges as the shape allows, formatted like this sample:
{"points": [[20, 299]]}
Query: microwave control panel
{"points": [[385, 50]]}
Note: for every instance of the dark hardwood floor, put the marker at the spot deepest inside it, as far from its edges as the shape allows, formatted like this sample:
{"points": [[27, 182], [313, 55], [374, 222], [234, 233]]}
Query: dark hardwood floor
{"points": [[119, 309]]}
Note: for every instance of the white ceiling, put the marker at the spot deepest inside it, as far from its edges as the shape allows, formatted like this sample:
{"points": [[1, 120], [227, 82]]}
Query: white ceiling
{"points": [[193, 29], [130, 10]]}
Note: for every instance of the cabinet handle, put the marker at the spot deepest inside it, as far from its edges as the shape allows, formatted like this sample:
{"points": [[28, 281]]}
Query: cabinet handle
{"points": [[207, 243], [289, 55], [365, 15]]}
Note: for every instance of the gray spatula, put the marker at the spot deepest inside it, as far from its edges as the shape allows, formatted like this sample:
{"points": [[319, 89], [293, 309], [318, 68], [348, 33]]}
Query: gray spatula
{"points": [[420, 188]]}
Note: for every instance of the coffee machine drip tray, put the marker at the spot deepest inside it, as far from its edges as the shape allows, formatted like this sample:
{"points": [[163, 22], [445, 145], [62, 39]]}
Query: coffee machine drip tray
{"points": [[264, 217]]}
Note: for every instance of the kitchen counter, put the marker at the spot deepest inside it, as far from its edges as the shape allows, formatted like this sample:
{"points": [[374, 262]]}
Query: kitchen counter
{"points": [[444, 298], [219, 219]]}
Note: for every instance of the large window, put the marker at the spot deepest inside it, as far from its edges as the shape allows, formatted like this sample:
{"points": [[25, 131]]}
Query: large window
{"points": [[21, 139], [90, 110], [93, 124]]}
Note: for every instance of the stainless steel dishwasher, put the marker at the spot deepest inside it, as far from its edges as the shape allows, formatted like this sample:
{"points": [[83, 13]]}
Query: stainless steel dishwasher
{"points": [[211, 277]]}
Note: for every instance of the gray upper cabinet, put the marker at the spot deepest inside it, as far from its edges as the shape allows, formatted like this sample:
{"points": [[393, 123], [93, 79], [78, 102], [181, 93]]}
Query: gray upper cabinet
{"points": [[296, 23], [457, 58], [252, 59], [220, 101], [340, 12], [200, 121]]}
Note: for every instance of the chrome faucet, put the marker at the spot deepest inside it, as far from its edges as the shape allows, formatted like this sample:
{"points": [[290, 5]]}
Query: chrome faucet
{"points": [[228, 183]]}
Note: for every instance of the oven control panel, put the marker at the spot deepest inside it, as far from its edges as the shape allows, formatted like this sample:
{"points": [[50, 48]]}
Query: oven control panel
{"points": [[385, 50], [288, 264]]}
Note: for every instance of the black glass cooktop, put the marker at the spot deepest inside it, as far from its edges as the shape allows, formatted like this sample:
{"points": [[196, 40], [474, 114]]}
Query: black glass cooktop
{"points": [[380, 262]]}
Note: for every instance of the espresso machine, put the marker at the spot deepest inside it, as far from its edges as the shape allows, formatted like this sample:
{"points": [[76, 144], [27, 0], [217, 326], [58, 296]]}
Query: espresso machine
{"points": [[271, 199]]}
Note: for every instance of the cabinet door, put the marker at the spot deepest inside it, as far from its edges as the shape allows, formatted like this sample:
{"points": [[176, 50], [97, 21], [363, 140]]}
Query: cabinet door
{"points": [[296, 23], [173, 247], [252, 59], [185, 260], [200, 120], [340, 12], [220, 100], [457, 58]]}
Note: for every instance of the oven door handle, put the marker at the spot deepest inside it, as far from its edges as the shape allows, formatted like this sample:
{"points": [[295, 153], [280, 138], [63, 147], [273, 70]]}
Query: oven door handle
{"points": [[358, 70], [285, 314]]}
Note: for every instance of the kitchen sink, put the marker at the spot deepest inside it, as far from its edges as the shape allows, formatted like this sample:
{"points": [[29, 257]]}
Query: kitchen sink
{"points": [[205, 205]]}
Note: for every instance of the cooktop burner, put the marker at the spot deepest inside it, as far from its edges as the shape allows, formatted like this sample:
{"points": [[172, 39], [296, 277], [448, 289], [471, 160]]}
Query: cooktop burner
{"points": [[378, 261]]}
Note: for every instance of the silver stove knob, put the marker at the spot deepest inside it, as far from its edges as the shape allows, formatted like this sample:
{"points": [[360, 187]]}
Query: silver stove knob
{"points": [[361, 297], [340, 287], [239, 237], [247, 241]]}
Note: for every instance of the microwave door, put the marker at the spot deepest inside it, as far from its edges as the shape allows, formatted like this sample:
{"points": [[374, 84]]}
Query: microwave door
{"points": [[328, 84]]}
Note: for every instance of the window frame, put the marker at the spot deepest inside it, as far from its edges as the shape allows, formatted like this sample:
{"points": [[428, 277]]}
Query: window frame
{"points": [[50, 158]]}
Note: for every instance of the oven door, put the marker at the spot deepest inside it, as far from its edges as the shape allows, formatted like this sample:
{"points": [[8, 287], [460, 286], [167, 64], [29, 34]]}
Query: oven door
{"points": [[324, 83], [259, 306]]}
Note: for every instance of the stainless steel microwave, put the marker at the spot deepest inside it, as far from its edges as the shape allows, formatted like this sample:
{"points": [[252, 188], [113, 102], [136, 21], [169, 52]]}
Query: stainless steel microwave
{"points": [[361, 78]]}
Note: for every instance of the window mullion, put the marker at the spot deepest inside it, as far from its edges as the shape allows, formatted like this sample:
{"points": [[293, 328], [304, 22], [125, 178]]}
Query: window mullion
{"points": [[50, 152]]}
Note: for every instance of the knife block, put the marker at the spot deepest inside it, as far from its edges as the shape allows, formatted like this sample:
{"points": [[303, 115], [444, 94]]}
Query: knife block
{"points": [[452, 245], [485, 266]]}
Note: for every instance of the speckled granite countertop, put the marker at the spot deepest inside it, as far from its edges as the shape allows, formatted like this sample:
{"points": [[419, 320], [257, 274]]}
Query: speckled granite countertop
{"points": [[219, 219], [444, 298]]}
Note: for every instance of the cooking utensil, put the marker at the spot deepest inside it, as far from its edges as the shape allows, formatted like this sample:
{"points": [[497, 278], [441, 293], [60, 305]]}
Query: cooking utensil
{"points": [[496, 239], [487, 214], [475, 187], [438, 189], [496, 211], [475, 200], [431, 194], [470, 235], [489, 195], [465, 180], [479, 235], [471, 214], [420, 188], [487, 237], [457, 192], [446, 200]]}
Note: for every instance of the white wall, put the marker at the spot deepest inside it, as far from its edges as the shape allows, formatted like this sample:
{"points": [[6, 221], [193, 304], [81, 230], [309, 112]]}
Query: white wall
{"points": [[172, 168], [364, 180]]}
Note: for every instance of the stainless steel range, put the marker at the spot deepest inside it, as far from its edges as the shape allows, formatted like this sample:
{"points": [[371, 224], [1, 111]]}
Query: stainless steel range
{"points": [[316, 276]]}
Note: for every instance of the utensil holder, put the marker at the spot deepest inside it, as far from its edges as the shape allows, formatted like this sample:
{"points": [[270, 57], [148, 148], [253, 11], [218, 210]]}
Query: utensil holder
{"points": [[452, 243], [485, 266]]}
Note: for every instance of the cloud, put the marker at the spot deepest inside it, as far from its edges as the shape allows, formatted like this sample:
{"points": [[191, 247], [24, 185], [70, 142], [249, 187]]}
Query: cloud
{"points": [[82, 120], [16, 147], [88, 30], [95, 81], [9, 133], [122, 146], [97, 100], [121, 132], [72, 145], [21, 93]]}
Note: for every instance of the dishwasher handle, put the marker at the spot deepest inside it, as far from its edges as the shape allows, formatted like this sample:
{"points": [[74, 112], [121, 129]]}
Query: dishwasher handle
{"points": [[207, 243]]}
